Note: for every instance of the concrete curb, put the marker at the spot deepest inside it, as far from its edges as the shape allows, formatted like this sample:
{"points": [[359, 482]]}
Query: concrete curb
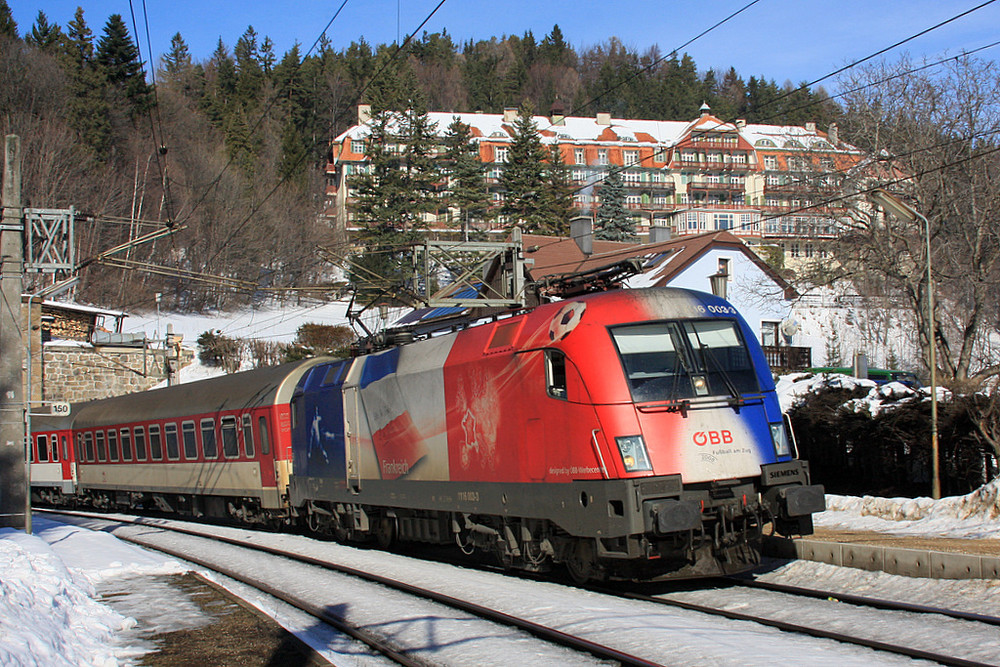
{"points": [[893, 560]]}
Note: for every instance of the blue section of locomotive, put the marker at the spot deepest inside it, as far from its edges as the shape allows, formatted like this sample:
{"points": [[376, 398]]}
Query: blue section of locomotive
{"points": [[778, 434], [318, 422]]}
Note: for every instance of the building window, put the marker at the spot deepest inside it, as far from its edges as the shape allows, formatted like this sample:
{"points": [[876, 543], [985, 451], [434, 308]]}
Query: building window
{"points": [[579, 156], [660, 155], [773, 180], [714, 157], [357, 147], [632, 201], [692, 220], [602, 156], [579, 175], [740, 158], [500, 154], [769, 333], [723, 220], [630, 157], [770, 162], [689, 156], [795, 251], [631, 177]]}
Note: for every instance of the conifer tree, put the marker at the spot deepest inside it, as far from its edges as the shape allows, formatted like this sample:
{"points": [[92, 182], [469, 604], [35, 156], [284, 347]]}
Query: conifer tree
{"points": [[8, 26], [614, 222], [398, 187], [467, 186], [523, 176], [44, 35], [178, 58], [87, 108], [558, 194], [118, 59]]}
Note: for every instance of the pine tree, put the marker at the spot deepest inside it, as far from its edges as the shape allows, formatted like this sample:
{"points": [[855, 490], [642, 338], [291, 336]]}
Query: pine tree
{"points": [[558, 194], [118, 59], [178, 59], [87, 108], [8, 26], [614, 222], [467, 190], [523, 176], [398, 187], [44, 35]]}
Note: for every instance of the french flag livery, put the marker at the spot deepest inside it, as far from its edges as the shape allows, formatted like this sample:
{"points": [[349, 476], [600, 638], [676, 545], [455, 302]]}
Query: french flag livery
{"points": [[629, 434]]}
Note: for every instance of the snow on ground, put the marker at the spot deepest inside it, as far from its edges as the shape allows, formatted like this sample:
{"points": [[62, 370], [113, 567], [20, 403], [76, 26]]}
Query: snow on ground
{"points": [[277, 324], [975, 515], [49, 614]]}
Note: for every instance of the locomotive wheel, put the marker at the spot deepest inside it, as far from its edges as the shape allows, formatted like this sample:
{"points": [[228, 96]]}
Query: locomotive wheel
{"points": [[385, 532], [582, 562]]}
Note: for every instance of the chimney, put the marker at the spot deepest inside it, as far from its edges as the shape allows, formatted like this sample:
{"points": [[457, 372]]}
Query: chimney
{"points": [[557, 113], [833, 134], [811, 127], [741, 124], [364, 113], [659, 232], [603, 118], [582, 231], [509, 114]]}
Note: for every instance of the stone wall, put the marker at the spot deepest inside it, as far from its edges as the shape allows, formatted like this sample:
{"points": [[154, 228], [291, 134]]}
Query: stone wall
{"points": [[84, 372]]}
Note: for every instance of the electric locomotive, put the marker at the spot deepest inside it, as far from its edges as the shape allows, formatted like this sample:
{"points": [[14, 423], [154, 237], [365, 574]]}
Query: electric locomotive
{"points": [[625, 434]]}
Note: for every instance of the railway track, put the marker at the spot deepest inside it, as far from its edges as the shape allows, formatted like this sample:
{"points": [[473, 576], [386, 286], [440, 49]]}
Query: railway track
{"points": [[378, 642], [985, 622], [617, 646]]}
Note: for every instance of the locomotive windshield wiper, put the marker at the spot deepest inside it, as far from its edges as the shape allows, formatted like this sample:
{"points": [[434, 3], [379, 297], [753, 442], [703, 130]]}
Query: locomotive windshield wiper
{"points": [[736, 401]]}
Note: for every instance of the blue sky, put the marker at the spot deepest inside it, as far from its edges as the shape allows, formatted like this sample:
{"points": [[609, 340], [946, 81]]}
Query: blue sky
{"points": [[797, 40]]}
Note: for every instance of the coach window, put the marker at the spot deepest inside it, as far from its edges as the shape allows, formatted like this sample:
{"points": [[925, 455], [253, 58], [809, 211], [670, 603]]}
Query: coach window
{"points": [[126, 444], [190, 441], [208, 443], [555, 373], [248, 444], [54, 449], [81, 449], [155, 447], [43, 449], [140, 443], [102, 452], [230, 443], [170, 435], [112, 444], [265, 438]]}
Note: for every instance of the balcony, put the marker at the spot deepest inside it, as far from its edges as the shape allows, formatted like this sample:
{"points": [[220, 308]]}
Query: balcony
{"points": [[786, 358]]}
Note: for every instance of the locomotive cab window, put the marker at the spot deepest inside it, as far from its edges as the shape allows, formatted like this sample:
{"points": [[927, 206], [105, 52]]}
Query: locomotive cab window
{"points": [[555, 374], [685, 359], [65, 447]]}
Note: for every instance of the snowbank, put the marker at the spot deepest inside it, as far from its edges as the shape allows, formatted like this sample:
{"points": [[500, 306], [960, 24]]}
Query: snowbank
{"points": [[49, 614], [975, 515]]}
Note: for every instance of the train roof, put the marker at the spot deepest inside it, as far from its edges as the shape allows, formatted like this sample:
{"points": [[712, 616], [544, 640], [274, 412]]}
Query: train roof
{"points": [[238, 391]]}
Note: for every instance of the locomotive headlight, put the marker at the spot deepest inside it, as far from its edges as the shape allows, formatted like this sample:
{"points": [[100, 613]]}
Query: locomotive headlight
{"points": [[700, 385], [633, 451], [779, 436]]}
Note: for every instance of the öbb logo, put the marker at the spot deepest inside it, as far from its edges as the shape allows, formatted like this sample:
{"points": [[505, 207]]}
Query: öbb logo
{"points": [[702, 438]]}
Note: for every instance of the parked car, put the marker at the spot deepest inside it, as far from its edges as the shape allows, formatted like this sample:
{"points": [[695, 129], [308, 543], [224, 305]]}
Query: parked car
{"points": [[879, 375]]}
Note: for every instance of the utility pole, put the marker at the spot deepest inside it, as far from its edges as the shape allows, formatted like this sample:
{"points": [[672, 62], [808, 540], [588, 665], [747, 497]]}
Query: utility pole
{"points": [[13, 482]]}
